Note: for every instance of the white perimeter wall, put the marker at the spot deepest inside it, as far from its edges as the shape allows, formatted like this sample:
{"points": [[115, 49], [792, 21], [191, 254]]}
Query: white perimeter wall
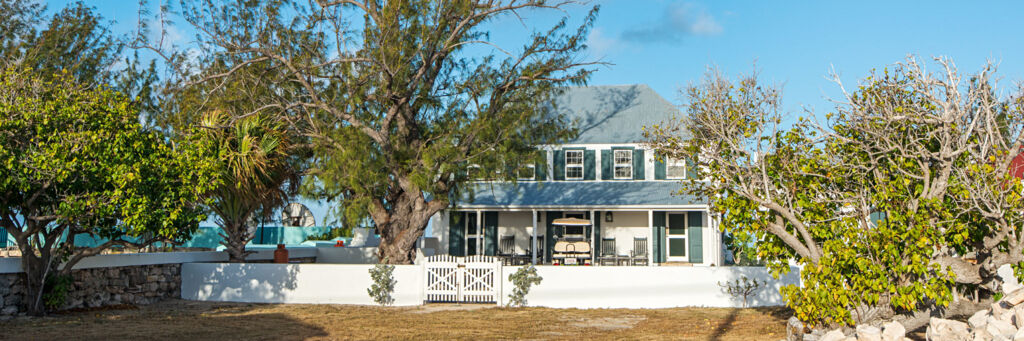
{"points": [[562, 287], [347, 255], [294, 283], [647, 287]]}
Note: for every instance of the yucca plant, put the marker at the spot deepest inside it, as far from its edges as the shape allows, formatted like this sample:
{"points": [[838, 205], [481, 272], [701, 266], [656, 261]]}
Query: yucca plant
{"points": [[257, 172]]}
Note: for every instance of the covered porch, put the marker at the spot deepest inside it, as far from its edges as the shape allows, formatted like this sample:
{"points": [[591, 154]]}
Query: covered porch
{"points": [[614, 237]]}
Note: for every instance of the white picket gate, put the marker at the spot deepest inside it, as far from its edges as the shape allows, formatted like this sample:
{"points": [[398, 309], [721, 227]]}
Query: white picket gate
{"points": [[473, 279]]}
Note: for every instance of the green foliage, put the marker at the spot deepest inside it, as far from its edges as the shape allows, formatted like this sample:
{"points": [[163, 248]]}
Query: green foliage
{"points": [[742, 287], [56, 289], [332, 234], [383, 284], [74, 160], [524, 278], [879, 206]]}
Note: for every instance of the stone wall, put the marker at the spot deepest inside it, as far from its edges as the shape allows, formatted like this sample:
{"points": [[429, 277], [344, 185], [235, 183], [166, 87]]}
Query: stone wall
{"points": [[99, 287]]}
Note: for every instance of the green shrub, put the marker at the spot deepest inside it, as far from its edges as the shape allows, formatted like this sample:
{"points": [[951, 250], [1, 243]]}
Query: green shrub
{"points": [[332, 234], [522, 280], [55, 291], [383, 284]]}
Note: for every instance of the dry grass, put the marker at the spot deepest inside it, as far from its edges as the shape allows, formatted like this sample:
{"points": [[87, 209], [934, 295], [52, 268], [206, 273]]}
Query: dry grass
{"points": [[185, 320]]}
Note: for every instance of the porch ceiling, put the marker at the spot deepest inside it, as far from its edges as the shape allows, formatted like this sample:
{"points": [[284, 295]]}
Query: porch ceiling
{"points": [[578, 194]]}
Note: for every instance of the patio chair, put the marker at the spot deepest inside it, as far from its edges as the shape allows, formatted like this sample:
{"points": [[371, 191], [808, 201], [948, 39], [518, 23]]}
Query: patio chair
{"points": [[608, 255], [639, 251], [507, 249]]}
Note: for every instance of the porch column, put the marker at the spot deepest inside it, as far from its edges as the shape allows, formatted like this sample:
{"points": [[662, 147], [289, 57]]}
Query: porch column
{"points": [[533, 240], [650, 246], [593, 256], [480, 232]]}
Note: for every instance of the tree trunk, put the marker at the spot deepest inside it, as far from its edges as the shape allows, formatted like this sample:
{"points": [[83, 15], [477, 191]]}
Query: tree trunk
{"points": [[36, 270], [236, 236], [402, 226]]}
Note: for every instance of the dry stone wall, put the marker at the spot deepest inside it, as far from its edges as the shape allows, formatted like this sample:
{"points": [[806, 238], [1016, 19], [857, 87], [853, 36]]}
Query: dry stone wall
{"points": [[99, 287]]}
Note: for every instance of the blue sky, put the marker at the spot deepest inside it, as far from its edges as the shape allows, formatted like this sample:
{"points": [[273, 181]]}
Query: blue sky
{"points": [[669, 44]]}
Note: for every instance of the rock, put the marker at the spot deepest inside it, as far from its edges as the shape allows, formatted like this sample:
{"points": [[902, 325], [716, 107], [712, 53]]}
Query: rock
{"points": [[893, 331], [868, 333], [1010, 283], [999, 308], [999, 327], [794, 329], [977, 320], [980, 335], [1014, 298], [9, 310], [1019, 336], [834, 335], [1018, 316], [943, 329]]}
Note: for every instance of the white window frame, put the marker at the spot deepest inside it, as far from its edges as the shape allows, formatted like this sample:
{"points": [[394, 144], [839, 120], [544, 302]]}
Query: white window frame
{"points": [[533, 174], [580, 165], [670, 162], [616, 164], [470, 175]]}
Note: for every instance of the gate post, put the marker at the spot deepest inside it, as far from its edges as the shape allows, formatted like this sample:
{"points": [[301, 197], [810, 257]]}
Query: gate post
{"points": [[499, 287]]}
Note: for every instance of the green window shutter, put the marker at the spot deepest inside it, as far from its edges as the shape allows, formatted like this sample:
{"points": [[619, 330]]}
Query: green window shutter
{"points": [[589, 171], [659, 168], [638, 164], [490, 233], [540, 169], [691, 169], [549, 234], [695, 236], [456, 233], [658, 238], [606, 164], [559, 164]]}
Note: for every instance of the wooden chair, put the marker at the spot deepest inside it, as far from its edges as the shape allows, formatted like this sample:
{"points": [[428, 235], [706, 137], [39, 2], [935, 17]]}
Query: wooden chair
{"points": [[608, 252], [507, 249], [639, 254]]}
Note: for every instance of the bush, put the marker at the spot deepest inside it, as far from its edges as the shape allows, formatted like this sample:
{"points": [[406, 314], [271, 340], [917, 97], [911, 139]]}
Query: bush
{"points": [[522, 280], [55, 291], [383, 284], [332, 234]]}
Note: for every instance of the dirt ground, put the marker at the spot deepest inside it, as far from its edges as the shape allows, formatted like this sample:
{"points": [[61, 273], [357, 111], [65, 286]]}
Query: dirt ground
{"points": [[187, 320]]}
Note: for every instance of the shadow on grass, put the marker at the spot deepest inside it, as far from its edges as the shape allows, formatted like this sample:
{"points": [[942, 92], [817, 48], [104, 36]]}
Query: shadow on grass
{"points": [[166, 322]]}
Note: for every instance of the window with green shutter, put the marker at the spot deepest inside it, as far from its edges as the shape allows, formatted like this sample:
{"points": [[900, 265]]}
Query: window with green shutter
{"points": [[695, 235], [589, 169], [659, 168], [456, 233], [606, 164], [638, 164], [558, 159]]}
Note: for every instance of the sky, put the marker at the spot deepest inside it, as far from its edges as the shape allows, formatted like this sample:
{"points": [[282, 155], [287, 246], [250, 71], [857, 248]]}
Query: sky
{"points": [[796, 44]]}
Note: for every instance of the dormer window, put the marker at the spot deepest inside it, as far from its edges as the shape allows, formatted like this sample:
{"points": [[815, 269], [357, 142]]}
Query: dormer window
{"points": [[574, 164], [675, 169], [623, 164]]}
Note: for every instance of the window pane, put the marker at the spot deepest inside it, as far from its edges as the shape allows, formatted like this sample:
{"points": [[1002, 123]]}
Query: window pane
{"points": [[623, 157], [526, 172], [623, 171], [574, 172], [675, 169], [676, 247], [574, 157]]}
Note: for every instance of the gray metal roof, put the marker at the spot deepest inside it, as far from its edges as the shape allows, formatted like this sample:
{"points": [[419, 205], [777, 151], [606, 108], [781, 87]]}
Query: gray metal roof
{"points": [[577, 194], [613, 113]]}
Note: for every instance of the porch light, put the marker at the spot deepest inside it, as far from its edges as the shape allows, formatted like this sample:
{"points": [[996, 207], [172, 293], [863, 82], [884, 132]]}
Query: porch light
{"points": [[608, 217]]}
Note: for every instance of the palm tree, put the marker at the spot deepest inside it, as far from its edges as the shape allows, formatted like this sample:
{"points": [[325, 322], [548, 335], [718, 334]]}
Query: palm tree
{"points": [[257, 170]]}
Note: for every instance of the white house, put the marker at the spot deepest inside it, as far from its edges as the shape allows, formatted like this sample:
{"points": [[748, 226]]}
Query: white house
{"points": [[605, 176]]}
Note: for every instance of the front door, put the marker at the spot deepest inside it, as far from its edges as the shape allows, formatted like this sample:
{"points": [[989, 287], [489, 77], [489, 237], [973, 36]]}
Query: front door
{"points": [[675, 238]]}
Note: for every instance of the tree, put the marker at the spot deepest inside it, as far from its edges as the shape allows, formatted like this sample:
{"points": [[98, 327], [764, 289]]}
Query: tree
{"points": [[393, 99], [900, 206], [77, 162], [254, 165]]}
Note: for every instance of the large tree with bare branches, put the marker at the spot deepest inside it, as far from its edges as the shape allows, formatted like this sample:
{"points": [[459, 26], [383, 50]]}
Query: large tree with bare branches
{"points": [[900, 205], [398, 98]]}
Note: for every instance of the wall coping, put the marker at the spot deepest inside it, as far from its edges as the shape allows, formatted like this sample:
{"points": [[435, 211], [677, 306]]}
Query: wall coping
{"points": [[13, 264]]}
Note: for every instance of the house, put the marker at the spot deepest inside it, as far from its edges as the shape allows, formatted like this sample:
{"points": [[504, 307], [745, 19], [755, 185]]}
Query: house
{"points": [[604, 176]]}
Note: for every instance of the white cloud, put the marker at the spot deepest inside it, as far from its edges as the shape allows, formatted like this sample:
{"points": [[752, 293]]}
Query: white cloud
{"points": [[677, 22]]}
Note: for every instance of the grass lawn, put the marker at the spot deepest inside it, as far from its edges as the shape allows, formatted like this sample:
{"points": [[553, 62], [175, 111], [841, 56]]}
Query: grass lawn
{"points": [[186, 320]]}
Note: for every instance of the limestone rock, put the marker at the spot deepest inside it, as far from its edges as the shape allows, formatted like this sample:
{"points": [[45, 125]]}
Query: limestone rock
{"points": [[999, 327], [1019, 336], [834, 335], [9, 310], [978, 319], [893, 331], [1018, 316], [1010, 283], [794, 329], [868, 333], [981, 335], [1014, 298], [943, 329]]}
